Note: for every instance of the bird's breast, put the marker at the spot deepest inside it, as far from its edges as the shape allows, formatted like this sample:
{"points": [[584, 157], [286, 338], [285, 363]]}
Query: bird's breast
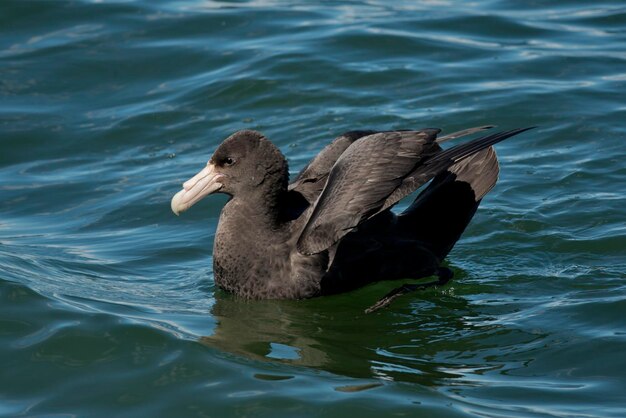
{"points": [[256, 262]]}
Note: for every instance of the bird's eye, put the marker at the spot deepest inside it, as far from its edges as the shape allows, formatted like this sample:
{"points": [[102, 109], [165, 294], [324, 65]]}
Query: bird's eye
{"points": [[229, 161]]}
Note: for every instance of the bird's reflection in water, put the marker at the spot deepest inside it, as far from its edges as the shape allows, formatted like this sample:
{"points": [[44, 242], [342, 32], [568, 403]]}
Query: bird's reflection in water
{"points": [[425, 339]]}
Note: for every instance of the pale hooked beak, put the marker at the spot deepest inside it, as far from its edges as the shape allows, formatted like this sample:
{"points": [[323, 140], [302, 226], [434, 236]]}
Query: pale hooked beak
{"points": [[202, 184]]}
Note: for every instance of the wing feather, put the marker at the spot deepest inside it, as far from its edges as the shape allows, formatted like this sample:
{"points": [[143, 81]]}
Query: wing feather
{"points": [[360, 182], [312, 178], [440, 161], [374, 173]]}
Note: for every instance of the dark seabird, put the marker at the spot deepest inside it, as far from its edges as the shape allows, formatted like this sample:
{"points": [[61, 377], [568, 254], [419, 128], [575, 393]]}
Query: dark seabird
{"points": [[332, 229]]}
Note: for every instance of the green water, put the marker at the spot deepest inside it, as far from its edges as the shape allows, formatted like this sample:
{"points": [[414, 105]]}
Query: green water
{"points": [[107, 300]]}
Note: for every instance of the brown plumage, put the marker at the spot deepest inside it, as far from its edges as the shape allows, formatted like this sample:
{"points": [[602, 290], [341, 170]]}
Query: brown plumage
{"points": [[332, 229]]}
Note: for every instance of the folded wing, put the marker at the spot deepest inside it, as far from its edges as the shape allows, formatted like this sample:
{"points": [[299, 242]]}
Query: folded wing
{"points": [[374, 173], [360, 182], [311, 180]]}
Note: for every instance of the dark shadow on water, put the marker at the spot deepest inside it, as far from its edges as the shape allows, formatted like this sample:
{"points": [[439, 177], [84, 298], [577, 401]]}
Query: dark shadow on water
{"points": [[427, 338]]}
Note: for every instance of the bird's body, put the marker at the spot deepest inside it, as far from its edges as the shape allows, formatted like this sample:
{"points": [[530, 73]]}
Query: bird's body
{"points": [[269, 266], [331, 229]]}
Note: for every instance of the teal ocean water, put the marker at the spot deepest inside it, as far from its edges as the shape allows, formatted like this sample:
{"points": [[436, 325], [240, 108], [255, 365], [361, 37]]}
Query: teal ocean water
{"points": [[107, 301]]}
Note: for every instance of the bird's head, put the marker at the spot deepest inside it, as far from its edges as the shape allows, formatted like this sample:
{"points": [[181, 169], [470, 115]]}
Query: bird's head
{"points": [[245, 164]]}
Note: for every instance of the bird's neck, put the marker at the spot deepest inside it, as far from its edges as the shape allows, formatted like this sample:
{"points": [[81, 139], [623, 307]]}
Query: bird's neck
{"points": [[249, 242], [263, 206]]}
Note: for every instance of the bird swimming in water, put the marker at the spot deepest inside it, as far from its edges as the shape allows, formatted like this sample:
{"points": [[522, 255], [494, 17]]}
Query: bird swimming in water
{"points": [[331, 229]]}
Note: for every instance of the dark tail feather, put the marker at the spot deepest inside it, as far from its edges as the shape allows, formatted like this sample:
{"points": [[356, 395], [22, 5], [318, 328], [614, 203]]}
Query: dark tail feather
{"points": [[440, 214]]}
